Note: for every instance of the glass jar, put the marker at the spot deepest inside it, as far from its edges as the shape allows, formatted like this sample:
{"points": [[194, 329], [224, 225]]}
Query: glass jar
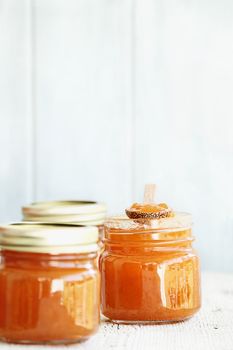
{"points": [[49, 283], [149, 270], [76, 212]]}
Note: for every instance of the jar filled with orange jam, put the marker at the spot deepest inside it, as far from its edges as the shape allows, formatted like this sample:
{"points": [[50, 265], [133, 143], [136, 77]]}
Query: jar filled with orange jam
{"points": [[49, 283], [149, 270]]}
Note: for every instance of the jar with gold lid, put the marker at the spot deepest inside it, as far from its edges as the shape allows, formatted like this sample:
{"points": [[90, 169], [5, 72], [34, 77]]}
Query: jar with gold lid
{"points": [[150, 272], [49, 283], [76, 212]]}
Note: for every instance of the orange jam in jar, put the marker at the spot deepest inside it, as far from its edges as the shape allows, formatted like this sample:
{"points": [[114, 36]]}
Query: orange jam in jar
{"points": [[149, 270], [49, 283]]}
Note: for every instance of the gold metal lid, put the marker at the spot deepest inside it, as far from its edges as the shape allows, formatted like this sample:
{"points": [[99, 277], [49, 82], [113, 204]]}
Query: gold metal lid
{"points": [[78, 212], [46, 238]]}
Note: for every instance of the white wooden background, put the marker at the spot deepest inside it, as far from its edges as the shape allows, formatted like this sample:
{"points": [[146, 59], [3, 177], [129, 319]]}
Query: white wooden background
{"points": [[99, 97]]}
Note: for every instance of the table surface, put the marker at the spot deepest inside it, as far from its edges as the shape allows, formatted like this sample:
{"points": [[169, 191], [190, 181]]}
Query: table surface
{"points": [[211, 328]]}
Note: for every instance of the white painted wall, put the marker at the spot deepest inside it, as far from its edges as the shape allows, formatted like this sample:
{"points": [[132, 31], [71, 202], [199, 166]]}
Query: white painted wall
{"points": [[99, 97]]}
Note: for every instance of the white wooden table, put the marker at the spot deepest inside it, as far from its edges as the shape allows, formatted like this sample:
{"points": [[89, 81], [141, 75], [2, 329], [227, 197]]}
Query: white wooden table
{"points": [[211, 328]]}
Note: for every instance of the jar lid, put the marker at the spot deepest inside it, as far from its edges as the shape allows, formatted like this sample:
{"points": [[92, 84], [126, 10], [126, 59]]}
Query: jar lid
{"points": [[46, 238], [78, 212]]}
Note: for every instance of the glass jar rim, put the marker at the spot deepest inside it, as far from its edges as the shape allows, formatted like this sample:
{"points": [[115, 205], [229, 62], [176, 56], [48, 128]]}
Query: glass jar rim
{"points": [[179, 220], [121, 228]]}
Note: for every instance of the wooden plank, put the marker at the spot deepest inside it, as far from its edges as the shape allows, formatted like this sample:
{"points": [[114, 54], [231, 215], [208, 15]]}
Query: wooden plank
{"points": [[183, 108], [15, 117], [83, 100]]}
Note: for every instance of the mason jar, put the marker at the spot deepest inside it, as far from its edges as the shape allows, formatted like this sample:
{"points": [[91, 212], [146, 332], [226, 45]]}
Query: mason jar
{"points": [[49, 283], [150, 272]]}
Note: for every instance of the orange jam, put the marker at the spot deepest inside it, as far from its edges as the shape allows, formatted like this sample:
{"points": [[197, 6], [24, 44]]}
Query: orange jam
{"points": [[149, 270], [48, 294], [149, 207]]}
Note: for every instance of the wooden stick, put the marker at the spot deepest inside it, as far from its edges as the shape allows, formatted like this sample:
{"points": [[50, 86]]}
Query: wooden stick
{"points": [[149, 193]]}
